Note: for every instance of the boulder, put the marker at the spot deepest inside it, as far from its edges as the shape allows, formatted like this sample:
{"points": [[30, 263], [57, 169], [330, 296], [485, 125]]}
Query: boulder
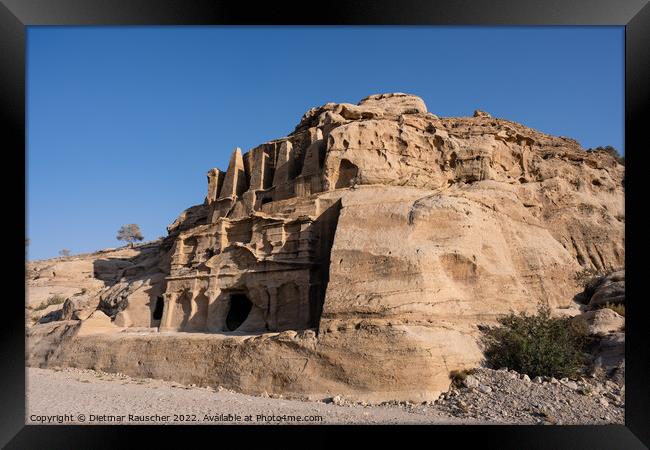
{"points": [[471, 381], [79, 307], [601, 321], [572, 310], [609, 289]]}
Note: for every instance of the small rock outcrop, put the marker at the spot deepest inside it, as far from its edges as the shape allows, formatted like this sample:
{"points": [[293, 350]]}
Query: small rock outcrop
{"points": [[601, 321], [607, 289]]}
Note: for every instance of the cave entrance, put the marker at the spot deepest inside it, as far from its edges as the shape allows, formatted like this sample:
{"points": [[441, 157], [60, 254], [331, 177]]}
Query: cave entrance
{"points": [[347, 173], [240, 307], [158, 309]]}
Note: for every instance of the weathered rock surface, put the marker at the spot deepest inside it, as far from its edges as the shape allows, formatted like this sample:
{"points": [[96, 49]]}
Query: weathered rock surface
{"points": [[386, 232], [601, 321], [608, 289], [609, 355], [97, 323], [78, 307], [106, 279]]}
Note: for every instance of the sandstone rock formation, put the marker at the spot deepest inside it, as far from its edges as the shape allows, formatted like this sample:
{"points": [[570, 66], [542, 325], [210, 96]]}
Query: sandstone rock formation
{"points": [[606, 289], [355, 256], [601, 321], [601, 295]]}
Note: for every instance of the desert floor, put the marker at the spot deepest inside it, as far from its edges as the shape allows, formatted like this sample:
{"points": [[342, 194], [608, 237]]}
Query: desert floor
{"points": [[83, 392], [76, 396]]}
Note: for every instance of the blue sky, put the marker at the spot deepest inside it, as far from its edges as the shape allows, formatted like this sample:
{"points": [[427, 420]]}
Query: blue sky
{"points": [[124, 122]]}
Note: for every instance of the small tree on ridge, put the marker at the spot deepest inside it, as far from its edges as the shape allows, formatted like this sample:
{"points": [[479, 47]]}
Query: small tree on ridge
{"points": [[129, 233]]}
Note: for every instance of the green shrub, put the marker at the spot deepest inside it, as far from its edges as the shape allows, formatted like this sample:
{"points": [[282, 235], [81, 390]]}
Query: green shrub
{"points": [[537, 345]]}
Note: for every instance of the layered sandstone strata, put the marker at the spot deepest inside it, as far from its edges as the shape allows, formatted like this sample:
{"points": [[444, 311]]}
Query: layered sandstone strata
{"points": [[377, 235]]}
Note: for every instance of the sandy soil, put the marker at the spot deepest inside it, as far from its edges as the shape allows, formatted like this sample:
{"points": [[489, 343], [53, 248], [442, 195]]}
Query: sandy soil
{"points": [[75, 396], [89, 397]]}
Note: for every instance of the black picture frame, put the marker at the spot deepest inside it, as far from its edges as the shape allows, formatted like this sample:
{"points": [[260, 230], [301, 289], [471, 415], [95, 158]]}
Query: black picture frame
{"points": [[15, 15]]}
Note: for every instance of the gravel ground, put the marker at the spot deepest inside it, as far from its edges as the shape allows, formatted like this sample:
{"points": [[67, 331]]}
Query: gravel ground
{"points": [[509, 397], [75, 396], [78, 392]]}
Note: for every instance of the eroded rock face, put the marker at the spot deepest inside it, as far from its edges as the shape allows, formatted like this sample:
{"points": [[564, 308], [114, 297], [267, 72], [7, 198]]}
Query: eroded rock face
{"points": [[608, 289], [389, 231], [111, 280], [78, 307]]}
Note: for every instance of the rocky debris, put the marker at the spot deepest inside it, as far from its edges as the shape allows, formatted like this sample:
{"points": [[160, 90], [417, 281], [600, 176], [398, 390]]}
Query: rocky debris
{"points": [[470, 381], [503, 396], [570, 384]]}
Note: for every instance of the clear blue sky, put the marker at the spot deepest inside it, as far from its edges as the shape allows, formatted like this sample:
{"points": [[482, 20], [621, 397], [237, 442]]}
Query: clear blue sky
{"points": [[124, 123]]}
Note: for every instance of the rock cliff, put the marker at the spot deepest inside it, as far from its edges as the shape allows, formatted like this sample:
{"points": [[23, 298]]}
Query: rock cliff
{"points": [[355, 256]]}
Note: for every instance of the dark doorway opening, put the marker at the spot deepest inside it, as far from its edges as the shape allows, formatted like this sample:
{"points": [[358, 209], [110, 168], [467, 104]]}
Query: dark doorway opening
{"points": [[240, 306], [347, 173], [158, 310]]}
